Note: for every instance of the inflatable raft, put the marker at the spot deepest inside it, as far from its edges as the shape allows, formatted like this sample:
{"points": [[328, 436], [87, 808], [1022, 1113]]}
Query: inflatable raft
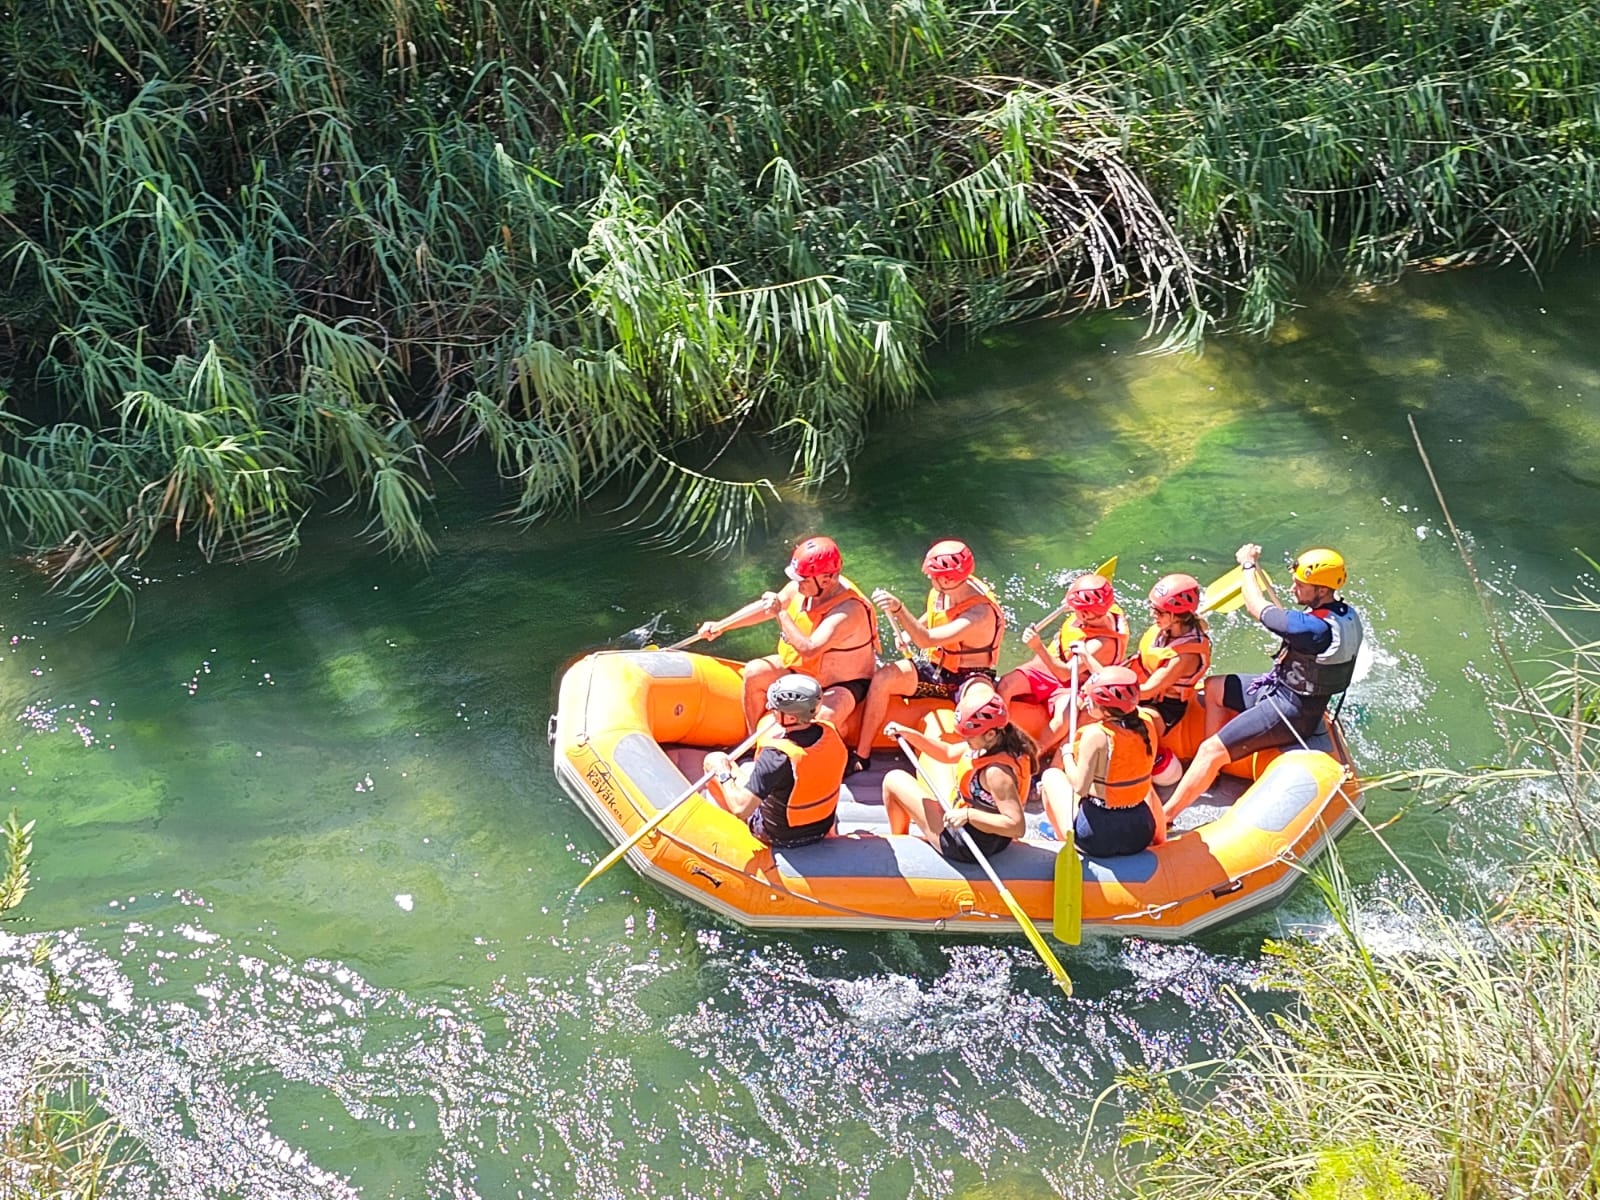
{"points": [[632, 728]]}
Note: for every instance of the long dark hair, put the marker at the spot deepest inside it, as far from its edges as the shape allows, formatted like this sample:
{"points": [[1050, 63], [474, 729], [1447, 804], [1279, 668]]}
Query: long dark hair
{"points": [[1128, 720], [1188, 623], [1016, 742]]}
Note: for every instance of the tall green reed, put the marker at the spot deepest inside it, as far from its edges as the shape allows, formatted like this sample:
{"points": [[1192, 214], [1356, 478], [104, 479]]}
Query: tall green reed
{"points": [[608, 240]]}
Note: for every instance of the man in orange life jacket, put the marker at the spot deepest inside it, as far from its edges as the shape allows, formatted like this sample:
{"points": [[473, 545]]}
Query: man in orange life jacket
{"points": [[790, 794], [826, 629], [1316, 661], [961, 630]]}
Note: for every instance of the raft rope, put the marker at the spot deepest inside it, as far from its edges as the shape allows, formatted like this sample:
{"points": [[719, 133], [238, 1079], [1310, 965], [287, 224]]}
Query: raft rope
{"points": [[1286, 855], [933, 923]]}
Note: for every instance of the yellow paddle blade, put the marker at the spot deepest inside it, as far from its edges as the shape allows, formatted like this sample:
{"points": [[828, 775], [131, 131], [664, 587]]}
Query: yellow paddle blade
{"points": [[1108, 568], [1223, 590], [1068, 914], [1226, 592]]}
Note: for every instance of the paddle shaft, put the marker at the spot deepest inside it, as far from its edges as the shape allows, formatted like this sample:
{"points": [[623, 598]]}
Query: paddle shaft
{"points": [[645, 830], [1226, 591], [1107, 569], [1068, 911], [1021, 918], [901, 638]]}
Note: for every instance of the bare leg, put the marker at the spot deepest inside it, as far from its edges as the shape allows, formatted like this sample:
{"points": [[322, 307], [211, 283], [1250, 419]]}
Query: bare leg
{"points": [[1060, 805], [902, 795], [1210, 758], [1160, 814], [759, 674], [1060, 723], [1218, 714], [837, 705], [897, 678], [910, 808]]}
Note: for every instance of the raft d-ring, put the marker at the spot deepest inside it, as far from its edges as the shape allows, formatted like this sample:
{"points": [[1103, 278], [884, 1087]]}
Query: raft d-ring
{"points": [[550, 730], [1228, 889]]}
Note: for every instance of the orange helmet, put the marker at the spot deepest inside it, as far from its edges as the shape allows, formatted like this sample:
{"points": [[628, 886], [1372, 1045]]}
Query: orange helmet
{"points": [[948, 559], [979, 710], [814, 556], [1176, 594], [1090, 595], [1115, 689]]}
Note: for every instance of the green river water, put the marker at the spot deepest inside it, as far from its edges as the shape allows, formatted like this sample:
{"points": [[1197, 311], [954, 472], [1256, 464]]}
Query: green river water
{"points": [[306, 875]]}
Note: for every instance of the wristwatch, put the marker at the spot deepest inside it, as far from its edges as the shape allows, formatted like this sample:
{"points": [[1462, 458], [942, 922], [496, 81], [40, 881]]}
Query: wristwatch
{"points": [[724, 776], [1249, 566]]}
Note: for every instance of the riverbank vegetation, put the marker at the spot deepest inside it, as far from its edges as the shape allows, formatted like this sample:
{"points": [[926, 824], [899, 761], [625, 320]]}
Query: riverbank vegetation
{"points": [[265, 256], [54, 1139], [1464, 1062]]}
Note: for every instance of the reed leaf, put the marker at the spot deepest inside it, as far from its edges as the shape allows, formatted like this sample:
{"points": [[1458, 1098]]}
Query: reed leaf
{"points": [[598, 238]]}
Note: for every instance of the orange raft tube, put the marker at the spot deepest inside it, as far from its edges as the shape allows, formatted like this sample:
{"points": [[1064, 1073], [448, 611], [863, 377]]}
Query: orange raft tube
{"points": [[632, 727]]}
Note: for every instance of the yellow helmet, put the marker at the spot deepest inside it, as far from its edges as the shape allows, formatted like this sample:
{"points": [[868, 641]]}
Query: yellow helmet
{"points": [[1322, 567]]}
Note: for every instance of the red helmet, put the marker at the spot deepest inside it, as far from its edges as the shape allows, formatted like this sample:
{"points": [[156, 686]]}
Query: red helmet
{"points": [[981, 709], [948, 559], [1176, 594], [1115, 689], [1090, 595], [814, 556]]}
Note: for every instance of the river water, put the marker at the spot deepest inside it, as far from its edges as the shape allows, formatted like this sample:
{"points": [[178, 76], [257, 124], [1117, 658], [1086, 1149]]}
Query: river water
{"points": [[305, 876]]}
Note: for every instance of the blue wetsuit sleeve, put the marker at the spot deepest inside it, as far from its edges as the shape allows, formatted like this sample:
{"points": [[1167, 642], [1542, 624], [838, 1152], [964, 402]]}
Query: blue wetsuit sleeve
{"points": [[1302, 630]]}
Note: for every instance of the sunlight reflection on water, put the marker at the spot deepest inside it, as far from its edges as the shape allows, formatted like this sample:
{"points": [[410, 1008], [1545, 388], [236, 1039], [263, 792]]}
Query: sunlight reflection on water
{"points": [[774, 1073]]}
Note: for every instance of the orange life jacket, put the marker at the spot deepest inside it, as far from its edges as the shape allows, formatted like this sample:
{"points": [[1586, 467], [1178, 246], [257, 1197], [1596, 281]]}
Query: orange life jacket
{"points": [[818, 772], [809, 618], [1116, 638], [972, 763], [950, 658], [1147, 660], [1126, 781]]}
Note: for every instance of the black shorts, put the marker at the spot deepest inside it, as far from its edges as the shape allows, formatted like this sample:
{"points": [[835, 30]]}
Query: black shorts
{"points": [[1268, 716], [856, 687], [954, 847], [1111, 832], [806, 835], [1170, 710], [941, 684]]}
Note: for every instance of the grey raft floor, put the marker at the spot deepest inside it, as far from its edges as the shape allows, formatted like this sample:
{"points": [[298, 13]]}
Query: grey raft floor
{"points": [[861, 804]]}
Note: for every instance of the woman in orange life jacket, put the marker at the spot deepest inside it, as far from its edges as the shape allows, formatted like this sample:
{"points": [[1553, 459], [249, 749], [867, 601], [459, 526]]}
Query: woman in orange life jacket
{"points": [[961, 629], [1175, 652], [1095, 629], [1108, 765], [996, 763], [826, 629], [790, 793]]}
